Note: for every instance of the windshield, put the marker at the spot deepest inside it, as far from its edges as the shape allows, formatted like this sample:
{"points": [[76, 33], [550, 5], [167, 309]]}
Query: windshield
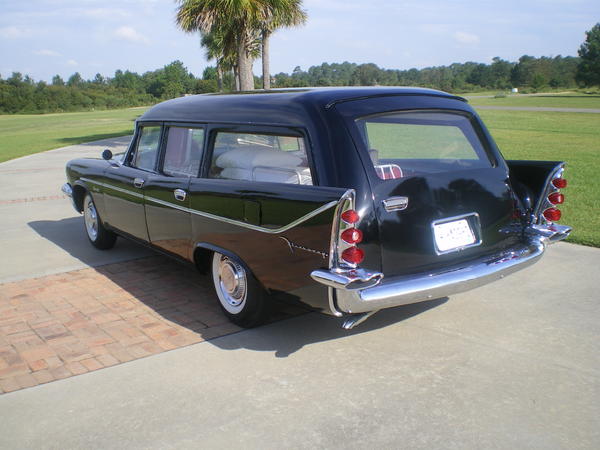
{"points": [[409, 143]]}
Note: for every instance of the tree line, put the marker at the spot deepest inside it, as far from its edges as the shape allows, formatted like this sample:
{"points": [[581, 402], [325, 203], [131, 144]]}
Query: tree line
{"points": [[21, 94]]}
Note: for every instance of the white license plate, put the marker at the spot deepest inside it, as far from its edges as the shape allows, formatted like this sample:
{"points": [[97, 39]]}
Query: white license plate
{"points": [[453, 235]]}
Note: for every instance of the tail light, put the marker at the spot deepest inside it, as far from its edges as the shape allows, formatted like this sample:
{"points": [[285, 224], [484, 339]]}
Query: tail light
{"points": [[353, 255], [352, 236], [349, 236], [552, 214], [559, 183], [555, 197]]}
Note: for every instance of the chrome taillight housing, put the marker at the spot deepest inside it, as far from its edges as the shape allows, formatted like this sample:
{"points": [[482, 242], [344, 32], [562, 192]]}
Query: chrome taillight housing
{"points": [[549, 212], [345, 251]]}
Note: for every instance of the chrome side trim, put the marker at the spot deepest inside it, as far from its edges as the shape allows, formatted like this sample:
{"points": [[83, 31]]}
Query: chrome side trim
{"points": [[115, 188], [287, 227]]}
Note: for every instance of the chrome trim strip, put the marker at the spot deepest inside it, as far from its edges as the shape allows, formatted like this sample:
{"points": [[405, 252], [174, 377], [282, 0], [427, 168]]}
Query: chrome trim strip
{"points": [[287, 227], [110, 186]]}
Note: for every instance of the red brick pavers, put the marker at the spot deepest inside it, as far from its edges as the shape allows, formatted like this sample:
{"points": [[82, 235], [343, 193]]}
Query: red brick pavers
{"points": [[76, 322]]}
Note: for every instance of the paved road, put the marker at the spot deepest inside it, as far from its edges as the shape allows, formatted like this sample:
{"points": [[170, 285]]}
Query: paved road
{"points": [[514, 364], [41, 232]]}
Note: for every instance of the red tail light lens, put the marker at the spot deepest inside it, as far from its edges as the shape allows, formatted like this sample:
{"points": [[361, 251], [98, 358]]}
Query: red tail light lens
{"points": [[350, 216], [552, 214], [556, 198], [352, 236], [559, 183], [353, 255]]}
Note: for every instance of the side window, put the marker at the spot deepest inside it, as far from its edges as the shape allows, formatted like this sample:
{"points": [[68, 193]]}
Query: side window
{"points": [[147, 148], [183, 152], [260, 157]]}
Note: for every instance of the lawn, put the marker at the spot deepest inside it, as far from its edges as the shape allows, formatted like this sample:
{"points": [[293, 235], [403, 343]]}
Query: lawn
{"points": [[22, 135], [570, 137], [547, 100]]}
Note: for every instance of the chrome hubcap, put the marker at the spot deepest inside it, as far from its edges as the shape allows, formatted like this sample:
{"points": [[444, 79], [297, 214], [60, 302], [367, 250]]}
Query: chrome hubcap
{"points": [[231, 283], [91, 219]]}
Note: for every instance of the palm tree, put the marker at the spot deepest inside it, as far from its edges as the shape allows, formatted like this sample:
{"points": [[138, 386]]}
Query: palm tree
{"points": [[237, 19], [283, 13], [222, 51]]}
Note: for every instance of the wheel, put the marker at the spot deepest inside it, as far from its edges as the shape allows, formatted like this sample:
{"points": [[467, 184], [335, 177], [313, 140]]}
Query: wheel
{"points": [[240, 295], [99, 236]]}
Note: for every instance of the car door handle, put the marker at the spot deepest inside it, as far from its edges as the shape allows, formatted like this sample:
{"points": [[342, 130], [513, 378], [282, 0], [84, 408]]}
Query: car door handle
{"points": [[138, 182], [179, 194]]}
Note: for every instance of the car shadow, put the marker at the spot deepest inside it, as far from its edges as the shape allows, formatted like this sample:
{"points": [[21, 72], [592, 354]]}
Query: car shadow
{"points": [[180, 294]]}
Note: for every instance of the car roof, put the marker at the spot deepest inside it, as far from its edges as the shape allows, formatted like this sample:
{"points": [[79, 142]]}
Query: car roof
{"points": [[277, 106]]}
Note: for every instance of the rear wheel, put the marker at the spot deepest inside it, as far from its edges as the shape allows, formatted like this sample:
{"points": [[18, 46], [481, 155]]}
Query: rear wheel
{"points": [[240, 295], [99, 236]]}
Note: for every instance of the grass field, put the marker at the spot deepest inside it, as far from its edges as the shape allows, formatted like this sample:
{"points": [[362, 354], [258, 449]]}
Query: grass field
{"points": [[549, 101], [570, 137], [22, 135]]}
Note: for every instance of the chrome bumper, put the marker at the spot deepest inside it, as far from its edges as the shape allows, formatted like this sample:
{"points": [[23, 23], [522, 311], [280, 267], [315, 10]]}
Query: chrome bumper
{"points": [[67, 190], [372, 293]]}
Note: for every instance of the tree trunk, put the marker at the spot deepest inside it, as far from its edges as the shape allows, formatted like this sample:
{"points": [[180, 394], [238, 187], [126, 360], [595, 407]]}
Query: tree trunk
{"points": [[266, 72], [236, 77], [245, 66], [219, 77]]}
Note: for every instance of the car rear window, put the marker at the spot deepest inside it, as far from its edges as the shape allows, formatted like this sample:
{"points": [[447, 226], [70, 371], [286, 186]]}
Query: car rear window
{"points": [[408, 143]]}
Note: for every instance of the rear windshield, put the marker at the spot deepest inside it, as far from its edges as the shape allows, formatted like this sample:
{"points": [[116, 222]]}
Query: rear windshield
{"points": [[409, 143]]}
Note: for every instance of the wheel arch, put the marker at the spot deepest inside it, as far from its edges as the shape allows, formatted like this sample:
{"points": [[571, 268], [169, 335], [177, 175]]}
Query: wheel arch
{"points": [[202, 258]]}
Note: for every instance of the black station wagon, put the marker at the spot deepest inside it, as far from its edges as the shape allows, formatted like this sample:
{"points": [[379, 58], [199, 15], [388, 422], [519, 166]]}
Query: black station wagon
{"points": [[351, 200]]}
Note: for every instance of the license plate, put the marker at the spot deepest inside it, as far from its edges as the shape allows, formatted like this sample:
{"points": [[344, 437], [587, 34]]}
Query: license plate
{"points": [[453, 235]]}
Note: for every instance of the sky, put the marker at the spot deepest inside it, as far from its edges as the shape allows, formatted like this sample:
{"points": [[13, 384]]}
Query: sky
{"points": [[42, 38]]}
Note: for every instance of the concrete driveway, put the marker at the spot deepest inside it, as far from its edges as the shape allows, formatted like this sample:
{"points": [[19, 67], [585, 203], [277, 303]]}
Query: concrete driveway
{"points": [[514, 364]]}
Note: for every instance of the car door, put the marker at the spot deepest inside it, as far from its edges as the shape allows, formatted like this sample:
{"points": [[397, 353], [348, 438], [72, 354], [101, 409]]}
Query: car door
{"points": [[124, 184], [166, 193]]}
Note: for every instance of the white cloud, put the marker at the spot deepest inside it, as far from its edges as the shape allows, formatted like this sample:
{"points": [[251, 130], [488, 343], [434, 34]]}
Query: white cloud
{"points": [[466, 38], [46, 52], [72, 62], [13, 32], [130, 34]]}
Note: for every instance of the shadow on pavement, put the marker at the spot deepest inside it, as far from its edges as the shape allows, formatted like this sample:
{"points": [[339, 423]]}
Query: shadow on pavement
{"points": [[69, 235], [180, 295]]}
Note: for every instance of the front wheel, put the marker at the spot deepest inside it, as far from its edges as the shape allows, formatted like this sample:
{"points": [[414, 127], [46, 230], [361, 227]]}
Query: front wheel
{"points": [[99, 236], [240, 295]]}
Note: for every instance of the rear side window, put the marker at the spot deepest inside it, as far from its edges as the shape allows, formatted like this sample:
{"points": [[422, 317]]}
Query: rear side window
{"points": [[402, 144], [147, 148], [260, 157], [183, 151]]}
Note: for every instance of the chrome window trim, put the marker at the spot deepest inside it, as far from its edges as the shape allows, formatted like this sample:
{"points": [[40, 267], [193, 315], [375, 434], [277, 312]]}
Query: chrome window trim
{"points": [[287, 227]]}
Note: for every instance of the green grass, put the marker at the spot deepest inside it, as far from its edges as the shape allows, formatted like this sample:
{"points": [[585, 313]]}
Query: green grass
{"points": [[570, 137], [547, 100], [22, 135]]}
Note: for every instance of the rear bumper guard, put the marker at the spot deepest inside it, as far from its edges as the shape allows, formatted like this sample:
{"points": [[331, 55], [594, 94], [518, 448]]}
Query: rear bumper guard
{"points": [[358, 291]]}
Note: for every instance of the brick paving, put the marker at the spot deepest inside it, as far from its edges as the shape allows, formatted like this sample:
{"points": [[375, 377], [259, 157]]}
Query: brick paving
{"points": [[71, 323]]}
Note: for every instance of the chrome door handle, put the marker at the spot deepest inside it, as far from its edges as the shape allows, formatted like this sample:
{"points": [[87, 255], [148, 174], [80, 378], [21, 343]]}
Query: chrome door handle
{"points": [[138, 182], [179, 194]]}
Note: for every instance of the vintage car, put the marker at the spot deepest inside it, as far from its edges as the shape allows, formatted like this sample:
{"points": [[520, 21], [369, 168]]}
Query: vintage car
{"points": [[350, 200]]}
